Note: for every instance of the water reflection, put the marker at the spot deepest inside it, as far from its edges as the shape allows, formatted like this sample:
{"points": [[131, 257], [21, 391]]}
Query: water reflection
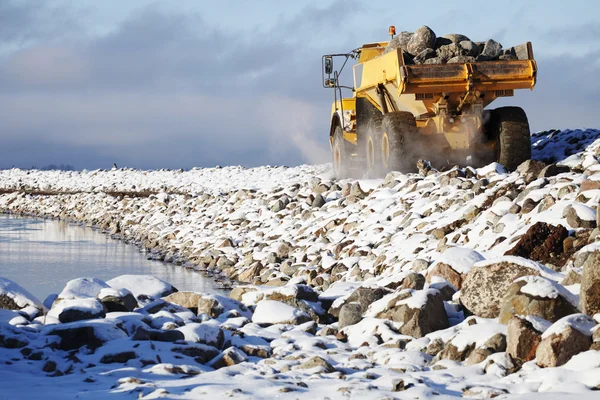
{"points": [[42, 255]]}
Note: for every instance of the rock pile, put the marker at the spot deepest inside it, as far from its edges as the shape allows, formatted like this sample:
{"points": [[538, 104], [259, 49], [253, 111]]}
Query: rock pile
{"points": [[424, 47], [387, 282]]}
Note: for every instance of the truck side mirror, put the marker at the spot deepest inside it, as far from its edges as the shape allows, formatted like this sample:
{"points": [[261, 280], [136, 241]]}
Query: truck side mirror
{"points": [[328, 65]]}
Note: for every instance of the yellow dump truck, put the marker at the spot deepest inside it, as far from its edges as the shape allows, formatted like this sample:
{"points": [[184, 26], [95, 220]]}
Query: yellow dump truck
{"points": [[400, 113]]}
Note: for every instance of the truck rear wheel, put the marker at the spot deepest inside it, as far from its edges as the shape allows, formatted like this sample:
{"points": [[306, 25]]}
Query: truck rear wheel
{"points": [[341, 150], [373, 153], [399, 130], [509, 129]]}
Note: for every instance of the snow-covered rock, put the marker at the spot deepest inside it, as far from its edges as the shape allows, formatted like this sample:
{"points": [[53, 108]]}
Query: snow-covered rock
{"points": [[142, 285], [270, 312], [14, 297]]}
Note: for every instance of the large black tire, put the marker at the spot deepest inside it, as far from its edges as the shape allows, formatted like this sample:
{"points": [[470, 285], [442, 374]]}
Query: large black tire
{"points": [[341, 149], [372, 143], [398, 137], [508, 128]]}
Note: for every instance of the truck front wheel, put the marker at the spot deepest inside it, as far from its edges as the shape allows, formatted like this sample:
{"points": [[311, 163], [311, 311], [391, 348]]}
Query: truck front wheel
{"points": [[341, 150], [509, 129]]}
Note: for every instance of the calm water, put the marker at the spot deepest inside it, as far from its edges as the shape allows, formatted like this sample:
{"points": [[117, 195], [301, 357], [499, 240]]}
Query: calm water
{"points": [[43, 255]]}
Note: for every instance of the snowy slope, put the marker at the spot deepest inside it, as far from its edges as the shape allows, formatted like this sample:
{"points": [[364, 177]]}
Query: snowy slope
{"points": [[282, 227]]}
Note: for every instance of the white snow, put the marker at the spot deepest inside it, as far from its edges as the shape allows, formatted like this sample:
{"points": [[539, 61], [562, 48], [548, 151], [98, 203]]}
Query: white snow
{"points": [[542, 287], [82, 287], [141, 284], [461, 259], [581, 322], [275, 312]]}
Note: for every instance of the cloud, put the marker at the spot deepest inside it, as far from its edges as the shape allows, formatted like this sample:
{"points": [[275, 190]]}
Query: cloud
{"points": [[169, 89]]}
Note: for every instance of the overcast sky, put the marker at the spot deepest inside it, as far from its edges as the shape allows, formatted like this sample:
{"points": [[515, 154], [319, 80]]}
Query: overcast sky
{"points": [[178, 84]]}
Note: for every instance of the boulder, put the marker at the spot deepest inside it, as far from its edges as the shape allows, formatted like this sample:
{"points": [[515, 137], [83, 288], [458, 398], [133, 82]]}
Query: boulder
{"points": [[399, 41], [364, 296], [524, 336], [492, 49], [269, 312], [589, 295], [424, 55], [530, 169], [350, 314], [215, 305], [14, 297], [116, 300], [77, 310], [188, 300], [420, 311], [317, 362], [538, 297], [206, 333], [469, 48], [92, 334], [448, 51], [423, 38], [493, 345], [455, 38], [228, 357], [487, 282], [143, 285], [489, 338], [453, 265], [542, 242], [408, 280], [564, 339], [82, 288], [580, 216]]}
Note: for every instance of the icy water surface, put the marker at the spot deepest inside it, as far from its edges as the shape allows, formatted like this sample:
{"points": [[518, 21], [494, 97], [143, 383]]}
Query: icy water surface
{"points": [[43, 255]]}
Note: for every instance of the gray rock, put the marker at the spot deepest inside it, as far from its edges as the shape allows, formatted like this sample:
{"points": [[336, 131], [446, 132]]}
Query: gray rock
{"points": [[317, 362], [448, 51], [318, 202], [350, 314], [422, 39], [122, 303], [589, 295], [469, 48], [575, 221], [456, 38], [507, 57], [484, 287], [424, 55], [424, 315], [492, 49], [520, 51], [364, 296], [399, 41]]}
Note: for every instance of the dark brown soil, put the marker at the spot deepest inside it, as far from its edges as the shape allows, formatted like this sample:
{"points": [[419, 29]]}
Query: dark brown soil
{"points": [[544, 243]]}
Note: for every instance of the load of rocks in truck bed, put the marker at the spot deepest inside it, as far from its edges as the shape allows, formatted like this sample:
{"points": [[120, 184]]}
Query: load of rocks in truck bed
{"points": [[424, 47]]}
